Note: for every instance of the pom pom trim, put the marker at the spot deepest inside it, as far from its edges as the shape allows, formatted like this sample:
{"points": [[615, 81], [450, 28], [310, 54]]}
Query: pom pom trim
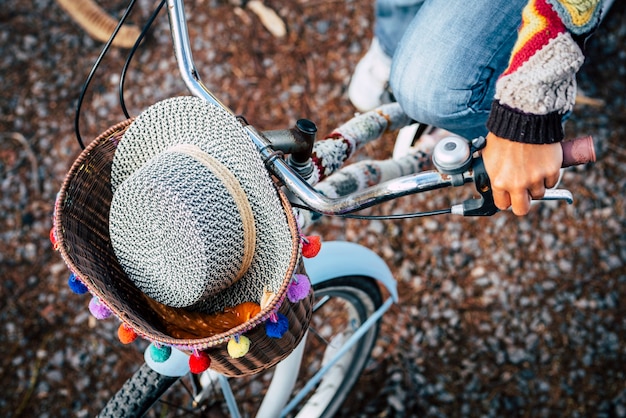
{"points": [[299, 288], [277, 328], [161, 353], [126, 334], [199, 362], [238, 346], [76, 285], [311, 245], [98, 309]]}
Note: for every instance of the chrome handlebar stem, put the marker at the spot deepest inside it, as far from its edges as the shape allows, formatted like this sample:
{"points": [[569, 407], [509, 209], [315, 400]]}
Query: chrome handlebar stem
{"points": [[182, 50]]}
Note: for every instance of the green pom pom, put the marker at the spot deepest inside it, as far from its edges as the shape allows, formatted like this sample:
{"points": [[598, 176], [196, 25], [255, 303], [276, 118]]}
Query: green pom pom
{"points": [[160, 354]]}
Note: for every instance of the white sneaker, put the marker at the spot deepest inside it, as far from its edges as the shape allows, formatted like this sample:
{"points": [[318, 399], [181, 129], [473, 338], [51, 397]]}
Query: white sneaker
{"points": [[406, 142], [370, 78]]}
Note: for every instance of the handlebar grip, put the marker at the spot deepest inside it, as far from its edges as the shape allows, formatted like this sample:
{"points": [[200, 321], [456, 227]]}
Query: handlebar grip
{"points": [[578, 151]]}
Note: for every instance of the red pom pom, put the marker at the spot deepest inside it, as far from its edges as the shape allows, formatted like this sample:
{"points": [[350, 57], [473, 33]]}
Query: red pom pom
{"points": [[53, 239], [311, 246], [126, 334], [199, 362]]}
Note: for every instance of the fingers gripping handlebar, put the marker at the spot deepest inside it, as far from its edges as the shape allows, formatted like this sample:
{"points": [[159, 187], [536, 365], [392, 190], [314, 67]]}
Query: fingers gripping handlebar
{"points": [[575, 152]]}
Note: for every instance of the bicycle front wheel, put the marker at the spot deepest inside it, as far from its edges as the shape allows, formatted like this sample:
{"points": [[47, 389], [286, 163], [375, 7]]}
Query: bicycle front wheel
{"points": [[341, 306]]}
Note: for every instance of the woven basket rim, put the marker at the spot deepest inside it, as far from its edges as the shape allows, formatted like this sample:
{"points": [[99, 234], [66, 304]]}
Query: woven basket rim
{"points": [[191, 344]]}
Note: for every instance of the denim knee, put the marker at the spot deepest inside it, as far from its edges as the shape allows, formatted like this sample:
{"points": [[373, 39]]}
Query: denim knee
{"points": [[431, 100], [446, 65]]}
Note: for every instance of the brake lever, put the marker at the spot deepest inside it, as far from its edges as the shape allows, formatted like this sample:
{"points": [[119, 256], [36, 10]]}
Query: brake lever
{"points": [[485, 206]]}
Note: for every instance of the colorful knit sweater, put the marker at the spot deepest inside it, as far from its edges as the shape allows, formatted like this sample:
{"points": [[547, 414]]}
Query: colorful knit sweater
{"points": [[539, 85]]}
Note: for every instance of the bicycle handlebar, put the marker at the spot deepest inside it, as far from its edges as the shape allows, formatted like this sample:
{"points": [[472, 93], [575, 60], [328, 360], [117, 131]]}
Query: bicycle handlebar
{"points": [[578, 151]]}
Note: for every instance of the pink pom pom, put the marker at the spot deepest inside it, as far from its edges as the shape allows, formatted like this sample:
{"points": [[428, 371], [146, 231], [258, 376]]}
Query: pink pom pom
{"points": [[98, 309], [299, 288]]}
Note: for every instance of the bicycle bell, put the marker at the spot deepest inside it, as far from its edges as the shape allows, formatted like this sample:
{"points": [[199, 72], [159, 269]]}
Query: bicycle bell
{"points": [[452, 155]]}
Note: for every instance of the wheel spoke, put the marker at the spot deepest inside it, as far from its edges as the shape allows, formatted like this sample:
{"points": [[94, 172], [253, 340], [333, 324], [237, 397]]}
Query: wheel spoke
{"points": [[320, 303]]}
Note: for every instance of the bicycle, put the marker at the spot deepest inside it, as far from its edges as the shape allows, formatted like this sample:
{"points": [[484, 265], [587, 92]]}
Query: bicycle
{"points": [[355, 284]]}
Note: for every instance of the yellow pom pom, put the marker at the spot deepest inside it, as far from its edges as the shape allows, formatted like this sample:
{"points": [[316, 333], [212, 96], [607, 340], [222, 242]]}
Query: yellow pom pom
{"points": [[239, 348]]}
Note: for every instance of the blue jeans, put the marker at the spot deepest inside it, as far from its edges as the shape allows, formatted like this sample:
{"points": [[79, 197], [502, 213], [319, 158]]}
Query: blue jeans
{"points": [[447, 56]]}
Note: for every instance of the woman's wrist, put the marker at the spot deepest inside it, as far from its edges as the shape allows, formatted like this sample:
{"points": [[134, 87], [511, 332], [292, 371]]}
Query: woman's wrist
{"points": [[518, 126]]}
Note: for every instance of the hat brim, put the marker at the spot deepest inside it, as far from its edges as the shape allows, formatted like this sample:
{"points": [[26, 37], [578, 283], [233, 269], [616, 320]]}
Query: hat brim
{"points": [[82, 230]]}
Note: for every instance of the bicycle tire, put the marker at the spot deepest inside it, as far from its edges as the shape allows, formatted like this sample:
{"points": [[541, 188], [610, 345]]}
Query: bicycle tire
{"points": [[362, 297], [138, 394]]}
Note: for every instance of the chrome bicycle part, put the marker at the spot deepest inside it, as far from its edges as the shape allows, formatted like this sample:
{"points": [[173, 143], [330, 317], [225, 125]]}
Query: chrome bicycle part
{"points": [[182, 50], [452, 155]]}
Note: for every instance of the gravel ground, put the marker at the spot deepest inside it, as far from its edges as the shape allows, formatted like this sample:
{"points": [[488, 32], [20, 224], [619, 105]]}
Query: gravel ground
{"points": [[498, 316]]}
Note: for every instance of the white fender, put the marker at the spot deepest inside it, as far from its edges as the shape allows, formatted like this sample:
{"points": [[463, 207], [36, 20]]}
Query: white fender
{"points": [[342, 258], [176, 365]]}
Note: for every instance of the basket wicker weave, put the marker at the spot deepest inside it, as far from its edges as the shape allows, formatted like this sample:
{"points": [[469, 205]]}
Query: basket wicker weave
{"points": [[82, 235]]}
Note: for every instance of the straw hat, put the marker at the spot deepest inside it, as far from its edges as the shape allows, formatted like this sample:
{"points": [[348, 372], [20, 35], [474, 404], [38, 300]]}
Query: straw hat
{"points": [[172, 217]]}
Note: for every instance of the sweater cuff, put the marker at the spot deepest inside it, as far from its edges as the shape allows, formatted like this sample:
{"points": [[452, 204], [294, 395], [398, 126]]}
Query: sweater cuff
{"points": [[506, 122]]}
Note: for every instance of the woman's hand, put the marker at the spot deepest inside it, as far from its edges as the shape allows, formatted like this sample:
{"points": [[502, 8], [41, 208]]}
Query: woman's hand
{"points": [[519, 172]]}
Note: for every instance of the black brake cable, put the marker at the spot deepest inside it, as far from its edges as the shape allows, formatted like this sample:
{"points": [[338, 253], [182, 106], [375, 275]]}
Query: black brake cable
{"points": [[399, 215], [94, 67], [379, 217], [142, 35]]}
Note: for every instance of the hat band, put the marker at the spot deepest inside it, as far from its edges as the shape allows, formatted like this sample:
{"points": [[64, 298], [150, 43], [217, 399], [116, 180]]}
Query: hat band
{"points": [[236, 191]]}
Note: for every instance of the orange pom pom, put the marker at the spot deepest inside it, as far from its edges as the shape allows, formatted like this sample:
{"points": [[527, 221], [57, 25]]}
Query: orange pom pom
{"points": [[126, 334], [199, 362], [311, 246]]}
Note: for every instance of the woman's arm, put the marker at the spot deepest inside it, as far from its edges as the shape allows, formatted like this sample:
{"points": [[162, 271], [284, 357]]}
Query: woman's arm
{"points": [[533, 95]]}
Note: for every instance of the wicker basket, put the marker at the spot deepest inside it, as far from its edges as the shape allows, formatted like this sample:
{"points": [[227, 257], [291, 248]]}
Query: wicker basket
{"points": [[82, 234]]}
